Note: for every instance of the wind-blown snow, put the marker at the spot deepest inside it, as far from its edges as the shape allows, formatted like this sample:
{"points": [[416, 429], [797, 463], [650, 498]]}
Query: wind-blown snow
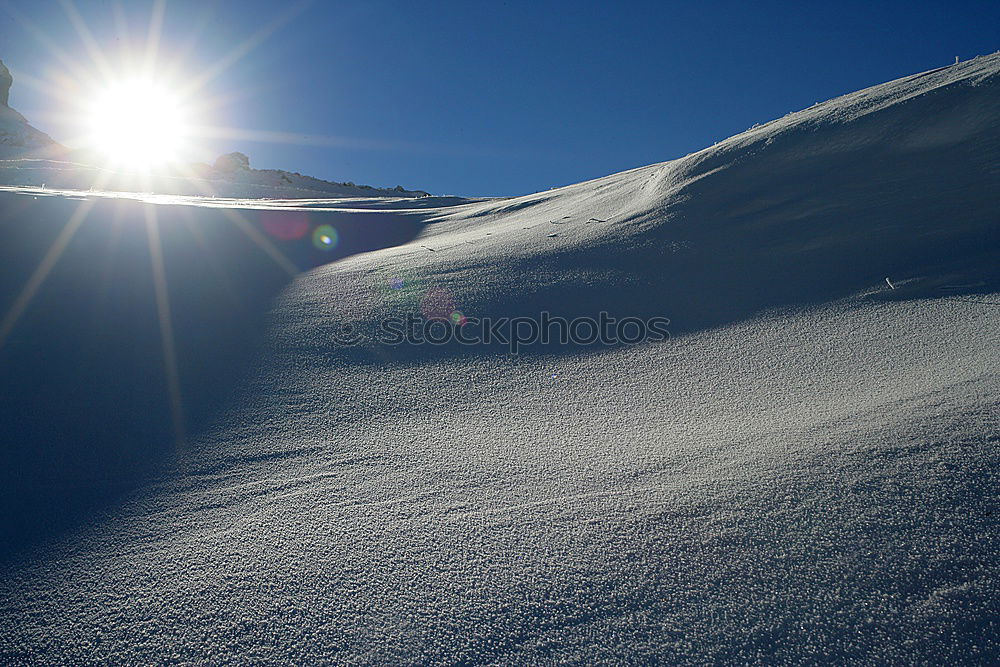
{"points": [[807, 470]]}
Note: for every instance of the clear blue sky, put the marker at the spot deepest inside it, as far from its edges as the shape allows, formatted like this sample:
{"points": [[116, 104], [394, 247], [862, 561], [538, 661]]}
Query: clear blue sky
{"points": [[500, 98]]}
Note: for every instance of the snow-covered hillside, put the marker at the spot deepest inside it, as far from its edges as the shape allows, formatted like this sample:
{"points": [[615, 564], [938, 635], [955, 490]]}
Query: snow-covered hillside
{"points": [[805, 470], [19, 139], [197, 180], [30, 157], [233, 172]]}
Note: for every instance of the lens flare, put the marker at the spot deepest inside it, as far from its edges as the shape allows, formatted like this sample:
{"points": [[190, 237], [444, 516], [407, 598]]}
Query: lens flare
{"points": [[286, 226], [325, 237], [402, 291], [437, 304]]}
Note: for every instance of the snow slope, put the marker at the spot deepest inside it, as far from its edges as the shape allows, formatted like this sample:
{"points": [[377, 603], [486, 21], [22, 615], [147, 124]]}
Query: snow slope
{"points": [[806, 471], [19, 139]]}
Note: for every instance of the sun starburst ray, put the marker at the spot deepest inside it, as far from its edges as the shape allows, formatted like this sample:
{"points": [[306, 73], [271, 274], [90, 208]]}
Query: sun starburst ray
{"points": [[262, 241], [243, 48], [45, 267], [169, 345], [153, 36], [87, 37]]}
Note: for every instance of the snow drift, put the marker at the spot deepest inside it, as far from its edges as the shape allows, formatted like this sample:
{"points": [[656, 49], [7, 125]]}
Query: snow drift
{"points": [[805, 471]]}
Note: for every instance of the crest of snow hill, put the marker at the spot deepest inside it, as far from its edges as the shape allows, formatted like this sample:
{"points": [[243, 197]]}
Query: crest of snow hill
{"points": [[31, 157]]}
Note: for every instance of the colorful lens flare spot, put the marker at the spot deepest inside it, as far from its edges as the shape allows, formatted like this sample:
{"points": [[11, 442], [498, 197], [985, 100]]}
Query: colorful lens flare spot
{"points": [[458, 318], [325, 237], [286, 226], [437, 304], [402, 290]]}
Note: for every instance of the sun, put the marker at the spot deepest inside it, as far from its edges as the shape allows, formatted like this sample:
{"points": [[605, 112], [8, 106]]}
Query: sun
{"points": [[138, 123]]}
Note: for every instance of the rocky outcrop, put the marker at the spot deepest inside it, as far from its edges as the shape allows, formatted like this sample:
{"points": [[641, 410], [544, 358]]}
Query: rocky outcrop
{"points": [[230, 162], [18, 138], [235, 168], [6, 80]]}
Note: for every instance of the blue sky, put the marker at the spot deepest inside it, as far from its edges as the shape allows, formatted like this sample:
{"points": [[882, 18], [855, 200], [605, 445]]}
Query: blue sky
{"points": [[494, 98]]}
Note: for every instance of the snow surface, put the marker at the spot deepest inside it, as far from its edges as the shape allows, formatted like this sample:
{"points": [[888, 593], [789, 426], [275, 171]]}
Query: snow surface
{"points": [[807, 470]]}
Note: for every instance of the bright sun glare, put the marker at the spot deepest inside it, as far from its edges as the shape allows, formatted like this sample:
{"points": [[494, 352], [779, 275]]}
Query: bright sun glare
{"points": [[138, 124]]}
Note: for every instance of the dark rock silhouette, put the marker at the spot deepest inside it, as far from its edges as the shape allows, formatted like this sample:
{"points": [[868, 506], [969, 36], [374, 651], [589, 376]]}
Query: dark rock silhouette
{"points": [[6, 80]]}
